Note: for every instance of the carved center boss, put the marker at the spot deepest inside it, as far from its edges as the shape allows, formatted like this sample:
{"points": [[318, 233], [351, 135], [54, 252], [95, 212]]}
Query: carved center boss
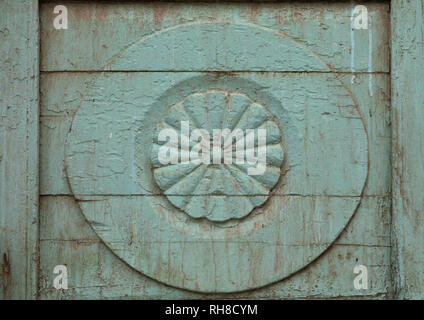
{"points": [[200, 185], [182, 207]]}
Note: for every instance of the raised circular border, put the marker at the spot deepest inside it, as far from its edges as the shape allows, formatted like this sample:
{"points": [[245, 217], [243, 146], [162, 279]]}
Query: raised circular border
{"points": [[235, 286]]}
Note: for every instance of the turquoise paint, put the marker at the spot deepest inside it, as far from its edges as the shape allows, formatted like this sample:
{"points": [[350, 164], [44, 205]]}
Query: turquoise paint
{"points": [[19, 111], [191, 238], [219, 187], [407, 154], [124, 189], [66, 237]]}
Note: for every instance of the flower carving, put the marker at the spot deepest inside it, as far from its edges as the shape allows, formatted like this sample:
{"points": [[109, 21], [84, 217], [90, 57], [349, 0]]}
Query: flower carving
{"points": [[216, 155]]}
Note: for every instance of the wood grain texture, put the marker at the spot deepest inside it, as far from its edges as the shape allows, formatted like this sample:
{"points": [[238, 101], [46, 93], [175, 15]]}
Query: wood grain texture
{"points": [[96, 273], [408, 141], [58, 107], [18, 149], [56, 114], [226, 47], [99, 31], [326, 166]]}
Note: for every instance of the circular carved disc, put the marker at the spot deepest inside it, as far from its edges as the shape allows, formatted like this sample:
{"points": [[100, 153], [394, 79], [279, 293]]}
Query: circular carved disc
{"points": [[218, 229]]}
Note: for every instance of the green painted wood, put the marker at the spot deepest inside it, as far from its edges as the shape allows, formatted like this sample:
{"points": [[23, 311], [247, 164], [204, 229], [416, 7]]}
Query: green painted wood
{"points": [[18, 149], [58, 107], [356, 133], [96, 273], [102, 30], [56, 111], [154, 234], [203, 189], [408, 171]]}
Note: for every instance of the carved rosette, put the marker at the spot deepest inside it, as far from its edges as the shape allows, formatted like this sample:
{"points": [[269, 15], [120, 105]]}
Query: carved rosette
{"points": [[218, 190]]}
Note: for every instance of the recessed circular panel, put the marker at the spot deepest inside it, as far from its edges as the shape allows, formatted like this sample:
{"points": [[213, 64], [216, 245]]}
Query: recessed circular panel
{"points": [[213, 227]]}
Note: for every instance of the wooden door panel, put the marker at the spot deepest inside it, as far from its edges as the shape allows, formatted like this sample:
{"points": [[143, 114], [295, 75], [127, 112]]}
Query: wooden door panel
{"points": [[344, 161], [99, 31], [95, 272]]}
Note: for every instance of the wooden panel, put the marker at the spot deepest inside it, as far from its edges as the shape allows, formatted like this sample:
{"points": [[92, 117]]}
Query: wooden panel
{"points": [[98, 32], [95, 272], [56, 121], [408, 139], [58, 107], [110, 133], [18, 149], [334, 131]]}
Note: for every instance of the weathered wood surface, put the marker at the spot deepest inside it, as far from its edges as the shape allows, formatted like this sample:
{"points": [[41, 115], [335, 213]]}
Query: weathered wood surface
{"points": [[58, 107], [114, 133], [95, 272], [56, 115], [408, 141], [18, 149], [98, 32], [353, 52]]}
